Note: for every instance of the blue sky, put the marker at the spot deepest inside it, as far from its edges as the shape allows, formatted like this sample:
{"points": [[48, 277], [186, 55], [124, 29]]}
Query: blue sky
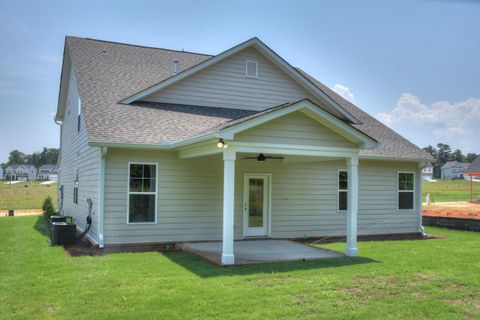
{"points": [[415, 65]]}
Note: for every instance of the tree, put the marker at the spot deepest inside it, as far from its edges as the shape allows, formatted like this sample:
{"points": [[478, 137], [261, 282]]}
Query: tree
{"points": [[457, 155], [16, 157], [444, 151], [431, 151], [470, 157]]}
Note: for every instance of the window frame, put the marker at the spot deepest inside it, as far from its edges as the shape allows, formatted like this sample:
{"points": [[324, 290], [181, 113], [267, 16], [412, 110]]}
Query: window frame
{"points": [[129, 192], [256, 69], [76, 184], [414, 191], [79, 112], [341, 190]]}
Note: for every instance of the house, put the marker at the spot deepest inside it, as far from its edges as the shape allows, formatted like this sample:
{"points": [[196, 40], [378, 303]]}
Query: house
{"points": [[20, 172], [1, 172], [473, 170], [47, 172], [175, 146], [453, 170], [427, 172]]}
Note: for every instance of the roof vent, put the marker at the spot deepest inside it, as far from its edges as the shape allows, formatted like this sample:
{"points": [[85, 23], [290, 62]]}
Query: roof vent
{"points": [[175, 66]]}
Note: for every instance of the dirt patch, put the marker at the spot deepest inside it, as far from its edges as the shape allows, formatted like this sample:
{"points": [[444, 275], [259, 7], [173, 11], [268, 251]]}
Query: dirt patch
{"points": [[20, 213], [463, 210]]}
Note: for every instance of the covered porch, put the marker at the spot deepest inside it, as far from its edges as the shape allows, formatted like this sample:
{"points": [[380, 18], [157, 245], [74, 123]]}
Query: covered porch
{"points": [[297, 133], [259, 251]]}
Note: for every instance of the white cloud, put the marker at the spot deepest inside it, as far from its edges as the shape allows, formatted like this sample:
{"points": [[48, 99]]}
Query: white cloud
{"points": [[457, 124], [344, 92]]}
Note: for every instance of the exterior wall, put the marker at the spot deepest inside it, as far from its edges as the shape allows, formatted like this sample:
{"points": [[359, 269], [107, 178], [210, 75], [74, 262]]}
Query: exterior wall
{"points": [[226, 85], [77, 154], [304, 198], [301, 129]]}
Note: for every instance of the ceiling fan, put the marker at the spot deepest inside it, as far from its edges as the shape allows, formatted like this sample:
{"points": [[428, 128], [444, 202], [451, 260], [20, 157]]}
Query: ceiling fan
{"points": [[262, 157]]}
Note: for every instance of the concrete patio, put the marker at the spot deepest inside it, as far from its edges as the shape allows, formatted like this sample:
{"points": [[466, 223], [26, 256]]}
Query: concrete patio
{"points": [[259, 251]]}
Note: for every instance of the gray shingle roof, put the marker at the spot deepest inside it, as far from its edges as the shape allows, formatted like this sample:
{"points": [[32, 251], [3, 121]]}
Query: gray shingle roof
{"points": [[474, 166], [108, 72], [450, 164]]}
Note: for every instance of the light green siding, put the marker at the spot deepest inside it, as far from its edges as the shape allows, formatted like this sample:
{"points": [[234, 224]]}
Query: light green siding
{"points": [[296, 128], [77, 154], [225, 85], [304, 198]]}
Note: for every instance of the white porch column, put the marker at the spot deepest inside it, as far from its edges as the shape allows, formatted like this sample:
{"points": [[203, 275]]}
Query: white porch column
{"points": [[352, 164], [420, 197], [228, 206]]}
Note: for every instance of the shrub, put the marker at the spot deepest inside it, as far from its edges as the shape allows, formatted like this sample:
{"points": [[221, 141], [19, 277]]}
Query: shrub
{"points": [[48, 207]]}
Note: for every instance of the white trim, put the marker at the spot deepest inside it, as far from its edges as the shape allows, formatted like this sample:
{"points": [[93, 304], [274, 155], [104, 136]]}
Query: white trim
{"points": [[267, 177], [341, 190], [269, 54], [411, 191], [246, 69], [147, 193], [385, 158]]}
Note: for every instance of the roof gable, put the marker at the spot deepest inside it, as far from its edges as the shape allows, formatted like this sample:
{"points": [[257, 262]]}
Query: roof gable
{"points": [[268, 53], [226, 85], [307, 107]]}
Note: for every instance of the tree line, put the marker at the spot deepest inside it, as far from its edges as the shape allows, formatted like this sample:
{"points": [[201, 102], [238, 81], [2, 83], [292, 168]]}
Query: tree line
{"points": [[46, 156], [443, 153]]}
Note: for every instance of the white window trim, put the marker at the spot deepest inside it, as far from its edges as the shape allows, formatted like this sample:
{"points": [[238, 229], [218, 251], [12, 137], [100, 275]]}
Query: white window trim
{"points": [[413, 191], [155, 193], [246, 69], [338, 191]]}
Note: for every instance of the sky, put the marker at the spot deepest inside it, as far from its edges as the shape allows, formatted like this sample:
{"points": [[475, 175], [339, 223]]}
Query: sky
{"points": [[414, 65]]}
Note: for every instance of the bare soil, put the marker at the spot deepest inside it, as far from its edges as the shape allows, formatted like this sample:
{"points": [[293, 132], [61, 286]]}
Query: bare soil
{"points": [[463, 210]]}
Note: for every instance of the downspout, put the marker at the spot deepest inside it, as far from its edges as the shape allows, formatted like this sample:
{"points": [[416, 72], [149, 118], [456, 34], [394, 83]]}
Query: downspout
{"points": [[421, 165], [101, 195]]}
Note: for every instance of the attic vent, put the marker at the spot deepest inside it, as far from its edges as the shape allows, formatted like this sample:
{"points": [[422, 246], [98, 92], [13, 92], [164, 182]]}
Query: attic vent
{"points": [[252, 69], [175, 66]]}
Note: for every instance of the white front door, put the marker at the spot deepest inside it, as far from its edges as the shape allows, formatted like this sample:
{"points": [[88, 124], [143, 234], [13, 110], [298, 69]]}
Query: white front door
{"points": [[256, 205]]}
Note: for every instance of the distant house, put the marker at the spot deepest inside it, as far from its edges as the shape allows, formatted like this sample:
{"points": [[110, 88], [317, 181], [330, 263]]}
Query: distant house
{"points": [[427, 172], [1, 173], [454, 170], [473, 170], [20, 172], [47, 172]]}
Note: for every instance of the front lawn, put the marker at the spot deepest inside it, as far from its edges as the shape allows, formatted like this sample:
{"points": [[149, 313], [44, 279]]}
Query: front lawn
{"points": [[25, 195], [417, 279], [450, 190]]}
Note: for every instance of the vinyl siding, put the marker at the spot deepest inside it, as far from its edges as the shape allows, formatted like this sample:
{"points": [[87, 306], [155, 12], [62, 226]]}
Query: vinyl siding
{"points": [[304, 198], [76, 153], [297, 129], [226, 85]]}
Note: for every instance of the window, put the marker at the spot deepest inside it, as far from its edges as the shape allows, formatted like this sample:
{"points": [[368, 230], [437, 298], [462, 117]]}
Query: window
{"points": [[78, 114], [75, 186], [142, 192], [406, 190], [251, 69], [342, 190]]}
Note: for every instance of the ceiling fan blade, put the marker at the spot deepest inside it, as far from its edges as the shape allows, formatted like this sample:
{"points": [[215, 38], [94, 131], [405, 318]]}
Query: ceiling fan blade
{"points": [[275, 157], [249, 158]]}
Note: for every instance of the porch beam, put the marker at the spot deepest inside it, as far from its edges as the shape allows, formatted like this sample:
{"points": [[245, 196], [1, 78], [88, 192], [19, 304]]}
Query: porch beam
{"points": [[229, 157], [352, 164]]}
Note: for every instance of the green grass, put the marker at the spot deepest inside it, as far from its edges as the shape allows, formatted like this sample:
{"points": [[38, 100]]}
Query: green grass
{"points": [[450, 190], [437, 279], [17, 196]]}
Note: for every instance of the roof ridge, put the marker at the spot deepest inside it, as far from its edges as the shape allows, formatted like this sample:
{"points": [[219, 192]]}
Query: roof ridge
{"points": [[139, 46]]}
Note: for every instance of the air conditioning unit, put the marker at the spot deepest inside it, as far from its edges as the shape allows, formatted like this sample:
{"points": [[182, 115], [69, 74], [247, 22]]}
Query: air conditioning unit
{"points": [[63, 233]]}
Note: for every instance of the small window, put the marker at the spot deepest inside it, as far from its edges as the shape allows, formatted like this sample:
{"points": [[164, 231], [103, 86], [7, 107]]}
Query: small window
{"points": [[142, 193], [252, 69], [75, 186], [78, 114], [406, 190], [342, 190]]}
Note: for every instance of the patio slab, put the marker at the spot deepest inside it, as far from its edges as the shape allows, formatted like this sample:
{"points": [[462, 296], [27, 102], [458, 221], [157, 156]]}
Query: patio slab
{"points": [[259, 251]]}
